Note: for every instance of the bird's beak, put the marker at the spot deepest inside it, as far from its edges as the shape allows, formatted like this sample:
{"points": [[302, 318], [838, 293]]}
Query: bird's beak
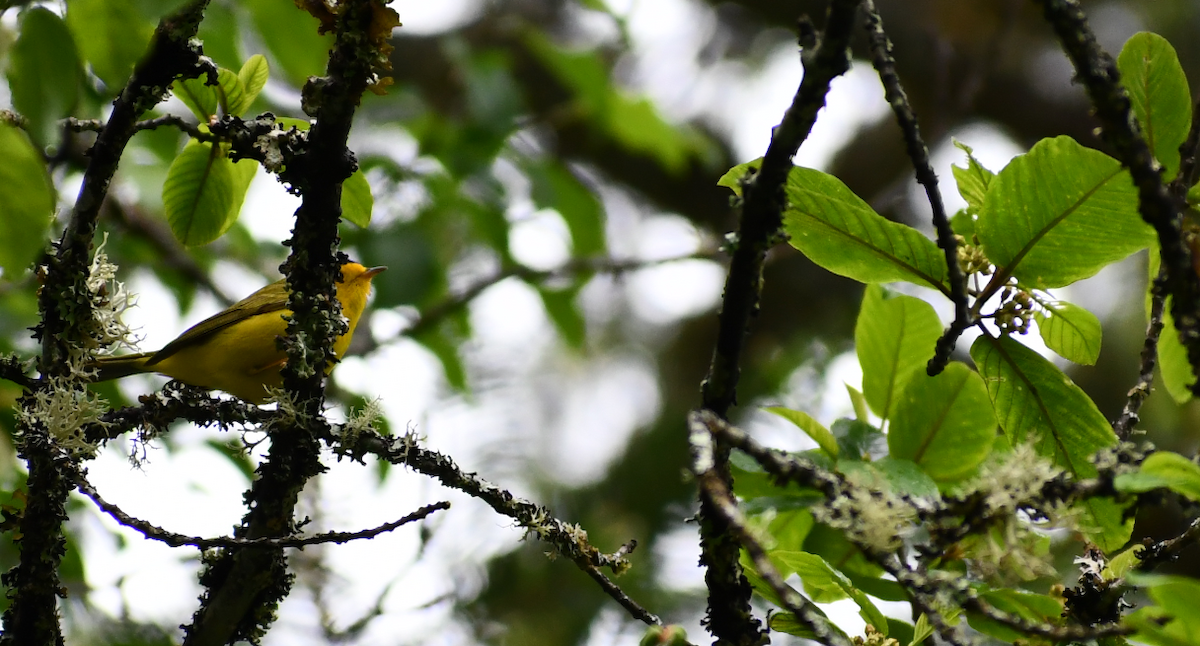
{"points": [[372, 272]]}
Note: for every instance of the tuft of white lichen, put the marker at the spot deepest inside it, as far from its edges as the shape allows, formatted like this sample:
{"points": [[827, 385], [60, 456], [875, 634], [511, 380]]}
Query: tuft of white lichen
{"points": [[63, 409], [870, 514]]}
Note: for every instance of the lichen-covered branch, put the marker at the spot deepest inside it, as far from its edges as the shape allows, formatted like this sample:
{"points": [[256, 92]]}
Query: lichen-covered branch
{"points": [[1158, 207], [243, 586], [825, 56], [568, 539], [65, 308], [881, 58]]}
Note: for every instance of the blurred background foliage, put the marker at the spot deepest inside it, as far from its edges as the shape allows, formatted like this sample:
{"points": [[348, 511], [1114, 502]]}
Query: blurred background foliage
{"points": [[525, 147]]}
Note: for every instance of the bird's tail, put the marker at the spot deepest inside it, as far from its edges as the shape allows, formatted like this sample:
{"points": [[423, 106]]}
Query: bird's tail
{"points": [[116, 367]]}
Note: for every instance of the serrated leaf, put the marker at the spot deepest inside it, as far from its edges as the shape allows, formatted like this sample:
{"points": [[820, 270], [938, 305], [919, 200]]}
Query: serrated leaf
{"points": [[229, 90], [198, 194], [1158, 92], [1060, 213], [824, 584], [894, 337], [837, 230], [973, 181], [811, 427], [27, 200], [1071, 331], [253, 76], [43, 73], [945, 423], [1035, 402], [201, 99], [357, 201], [1164, 470]]}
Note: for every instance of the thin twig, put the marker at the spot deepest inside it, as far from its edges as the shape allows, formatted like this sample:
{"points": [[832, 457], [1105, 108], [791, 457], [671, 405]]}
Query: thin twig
{"points": [[173, 539], [1167, 551], [885, 64], [13, 369], [1149, 358], [96, 125]]}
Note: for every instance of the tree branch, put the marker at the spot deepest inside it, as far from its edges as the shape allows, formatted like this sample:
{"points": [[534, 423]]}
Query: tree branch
{"points": [[173, 539], [881, 58], [65, 309], [729, 618], [1097, 71]]}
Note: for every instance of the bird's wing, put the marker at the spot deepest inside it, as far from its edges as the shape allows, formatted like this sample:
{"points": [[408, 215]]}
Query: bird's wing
{"points": [[272, 298]]}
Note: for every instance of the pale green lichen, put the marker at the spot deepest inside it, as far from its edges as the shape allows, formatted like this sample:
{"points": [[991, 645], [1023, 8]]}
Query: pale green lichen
{"points": [[870, 514], [361, 421]]}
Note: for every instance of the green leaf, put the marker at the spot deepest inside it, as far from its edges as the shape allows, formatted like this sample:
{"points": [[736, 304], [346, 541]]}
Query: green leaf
{"points": [[1060, 213], [201, 99], [220, 31], [895, 336], [854, 438], [291, 36], [786, 622], [973, 181], [198, 194], [357, 201], [447, 353], [963, 224], [1071, 331], [564, 314], [824, 584], [229, 90], [112, 36], [635, 123], [27, 201], [859, 402], [904, 476], [1158, 90], [831, 225], [922, 630], [814, 429], [1031, 607], [43, 73], [253, 77], [243, 171], [732, 177], [1174, 622], [1123, 563], [945, 423], [556, 187], [1035, 402], [1164, 470]]}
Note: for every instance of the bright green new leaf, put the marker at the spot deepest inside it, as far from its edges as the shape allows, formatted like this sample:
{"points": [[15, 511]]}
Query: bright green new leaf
{"points": [[253, 77], [229, 90], [44, 73], [1071, 331], [27, 202], [732, 177], [895, 337], [112, 36], [945, 423], [1164, 470], [198, 194], [814, 429], [1060, 213], [1122, 564], [357, 201], [859, 402], [837, 230], [824, 584], [921, 630], [973, 181], [963, 224], [1035, 402], [1158, 90], [201, 99], [786, 622]]}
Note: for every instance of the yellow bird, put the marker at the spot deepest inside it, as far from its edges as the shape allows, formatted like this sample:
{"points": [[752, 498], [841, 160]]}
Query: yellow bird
{"points": [[235, 350]]}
